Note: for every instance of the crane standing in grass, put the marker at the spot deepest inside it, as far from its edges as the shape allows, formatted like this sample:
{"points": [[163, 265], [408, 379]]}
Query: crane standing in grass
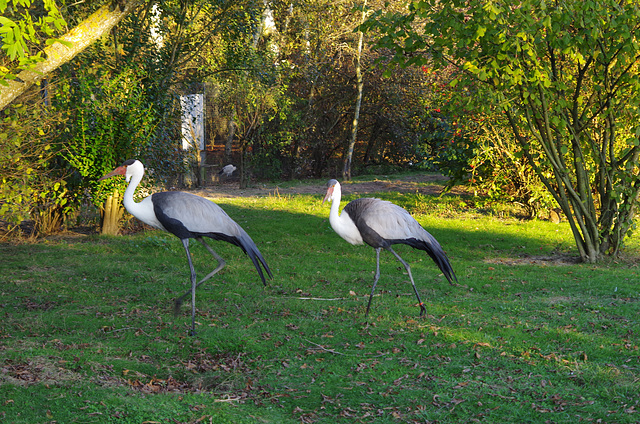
{"points": [[380, 224], [187, 216]]}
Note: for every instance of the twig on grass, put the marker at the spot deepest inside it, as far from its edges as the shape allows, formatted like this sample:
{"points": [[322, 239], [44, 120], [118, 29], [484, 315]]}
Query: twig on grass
{"points": [[228, 399], [319, 298], [116, 330], [325, 349], [335, 352]]}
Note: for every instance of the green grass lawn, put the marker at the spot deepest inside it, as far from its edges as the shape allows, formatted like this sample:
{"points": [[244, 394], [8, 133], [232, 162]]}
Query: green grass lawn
{"points": [[87, 333]]}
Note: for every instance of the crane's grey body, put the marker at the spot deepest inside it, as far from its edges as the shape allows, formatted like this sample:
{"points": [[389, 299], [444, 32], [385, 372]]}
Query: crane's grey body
{"points": [[227, 170], [381, 224], [187, 216]]}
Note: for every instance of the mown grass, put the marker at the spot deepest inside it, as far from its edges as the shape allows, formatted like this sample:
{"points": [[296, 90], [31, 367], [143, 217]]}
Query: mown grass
{"points": [[88, 335]]}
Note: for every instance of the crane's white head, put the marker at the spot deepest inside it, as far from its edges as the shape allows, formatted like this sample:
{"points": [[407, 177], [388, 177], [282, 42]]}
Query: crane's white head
{"points": [[128, 168], [332, 185]]}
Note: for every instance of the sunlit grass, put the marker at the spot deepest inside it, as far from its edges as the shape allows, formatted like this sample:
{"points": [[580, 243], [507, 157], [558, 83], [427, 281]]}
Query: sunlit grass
{"points": [[88, 333]]}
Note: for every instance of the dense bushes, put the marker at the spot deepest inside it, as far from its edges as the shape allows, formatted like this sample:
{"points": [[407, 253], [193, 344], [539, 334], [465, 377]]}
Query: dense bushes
{"points": [[32, 187]]}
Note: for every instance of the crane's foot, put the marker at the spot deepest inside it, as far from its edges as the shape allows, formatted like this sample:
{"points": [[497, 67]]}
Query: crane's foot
{"points": [[192, 332], [423, 310]]}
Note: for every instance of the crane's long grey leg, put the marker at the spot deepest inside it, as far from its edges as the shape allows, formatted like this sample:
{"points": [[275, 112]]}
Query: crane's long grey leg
{"points": [[185, 243], [375, 280], [423, 310], [221, 264]]}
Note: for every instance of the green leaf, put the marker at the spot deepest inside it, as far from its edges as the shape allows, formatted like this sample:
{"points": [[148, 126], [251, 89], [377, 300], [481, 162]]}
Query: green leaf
{"points": [[6, 23]]}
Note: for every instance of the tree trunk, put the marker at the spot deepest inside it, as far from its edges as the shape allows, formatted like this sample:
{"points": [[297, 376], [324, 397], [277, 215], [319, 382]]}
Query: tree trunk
{"points": [[346, 172], [57, 54], [112, 213], [573, 195]]}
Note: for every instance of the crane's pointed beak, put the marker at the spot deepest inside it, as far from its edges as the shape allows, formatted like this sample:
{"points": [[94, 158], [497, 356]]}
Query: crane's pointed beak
{"points": [[328, 195], [121, 170]]}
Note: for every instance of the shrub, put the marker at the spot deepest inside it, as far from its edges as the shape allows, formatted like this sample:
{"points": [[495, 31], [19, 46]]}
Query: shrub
{"points": [[32, 188]]}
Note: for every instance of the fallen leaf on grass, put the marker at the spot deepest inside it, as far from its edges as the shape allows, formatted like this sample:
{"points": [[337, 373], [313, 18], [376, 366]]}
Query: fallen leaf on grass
{"points": [[348, 412], [397, 381], [541, 409], [156, 385]]}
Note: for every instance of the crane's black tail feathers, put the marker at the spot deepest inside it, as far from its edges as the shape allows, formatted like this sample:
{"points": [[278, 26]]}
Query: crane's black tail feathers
{"points": [[252, 251], [433, 249], [244, 242], [440, 258]]}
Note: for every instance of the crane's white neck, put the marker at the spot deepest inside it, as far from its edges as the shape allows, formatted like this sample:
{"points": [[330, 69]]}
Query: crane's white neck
{"points": [[142, 210], [342, 224], [334, 213], [133, 175]]}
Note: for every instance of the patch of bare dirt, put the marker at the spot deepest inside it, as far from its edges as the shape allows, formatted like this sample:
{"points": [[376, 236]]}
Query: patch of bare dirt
{"points": [[38, 370], [427, 184], [556, 260]]}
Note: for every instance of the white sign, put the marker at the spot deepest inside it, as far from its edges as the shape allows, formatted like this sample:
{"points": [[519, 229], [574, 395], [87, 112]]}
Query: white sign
{"points": [[192, 121]]}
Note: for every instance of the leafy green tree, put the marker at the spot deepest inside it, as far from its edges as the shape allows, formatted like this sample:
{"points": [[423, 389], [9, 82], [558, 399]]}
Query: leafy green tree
{"points": [[313, 131], [475, 147], [116, 121], [26, 26], [27, 61], [565, 74], [498, 168]]}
